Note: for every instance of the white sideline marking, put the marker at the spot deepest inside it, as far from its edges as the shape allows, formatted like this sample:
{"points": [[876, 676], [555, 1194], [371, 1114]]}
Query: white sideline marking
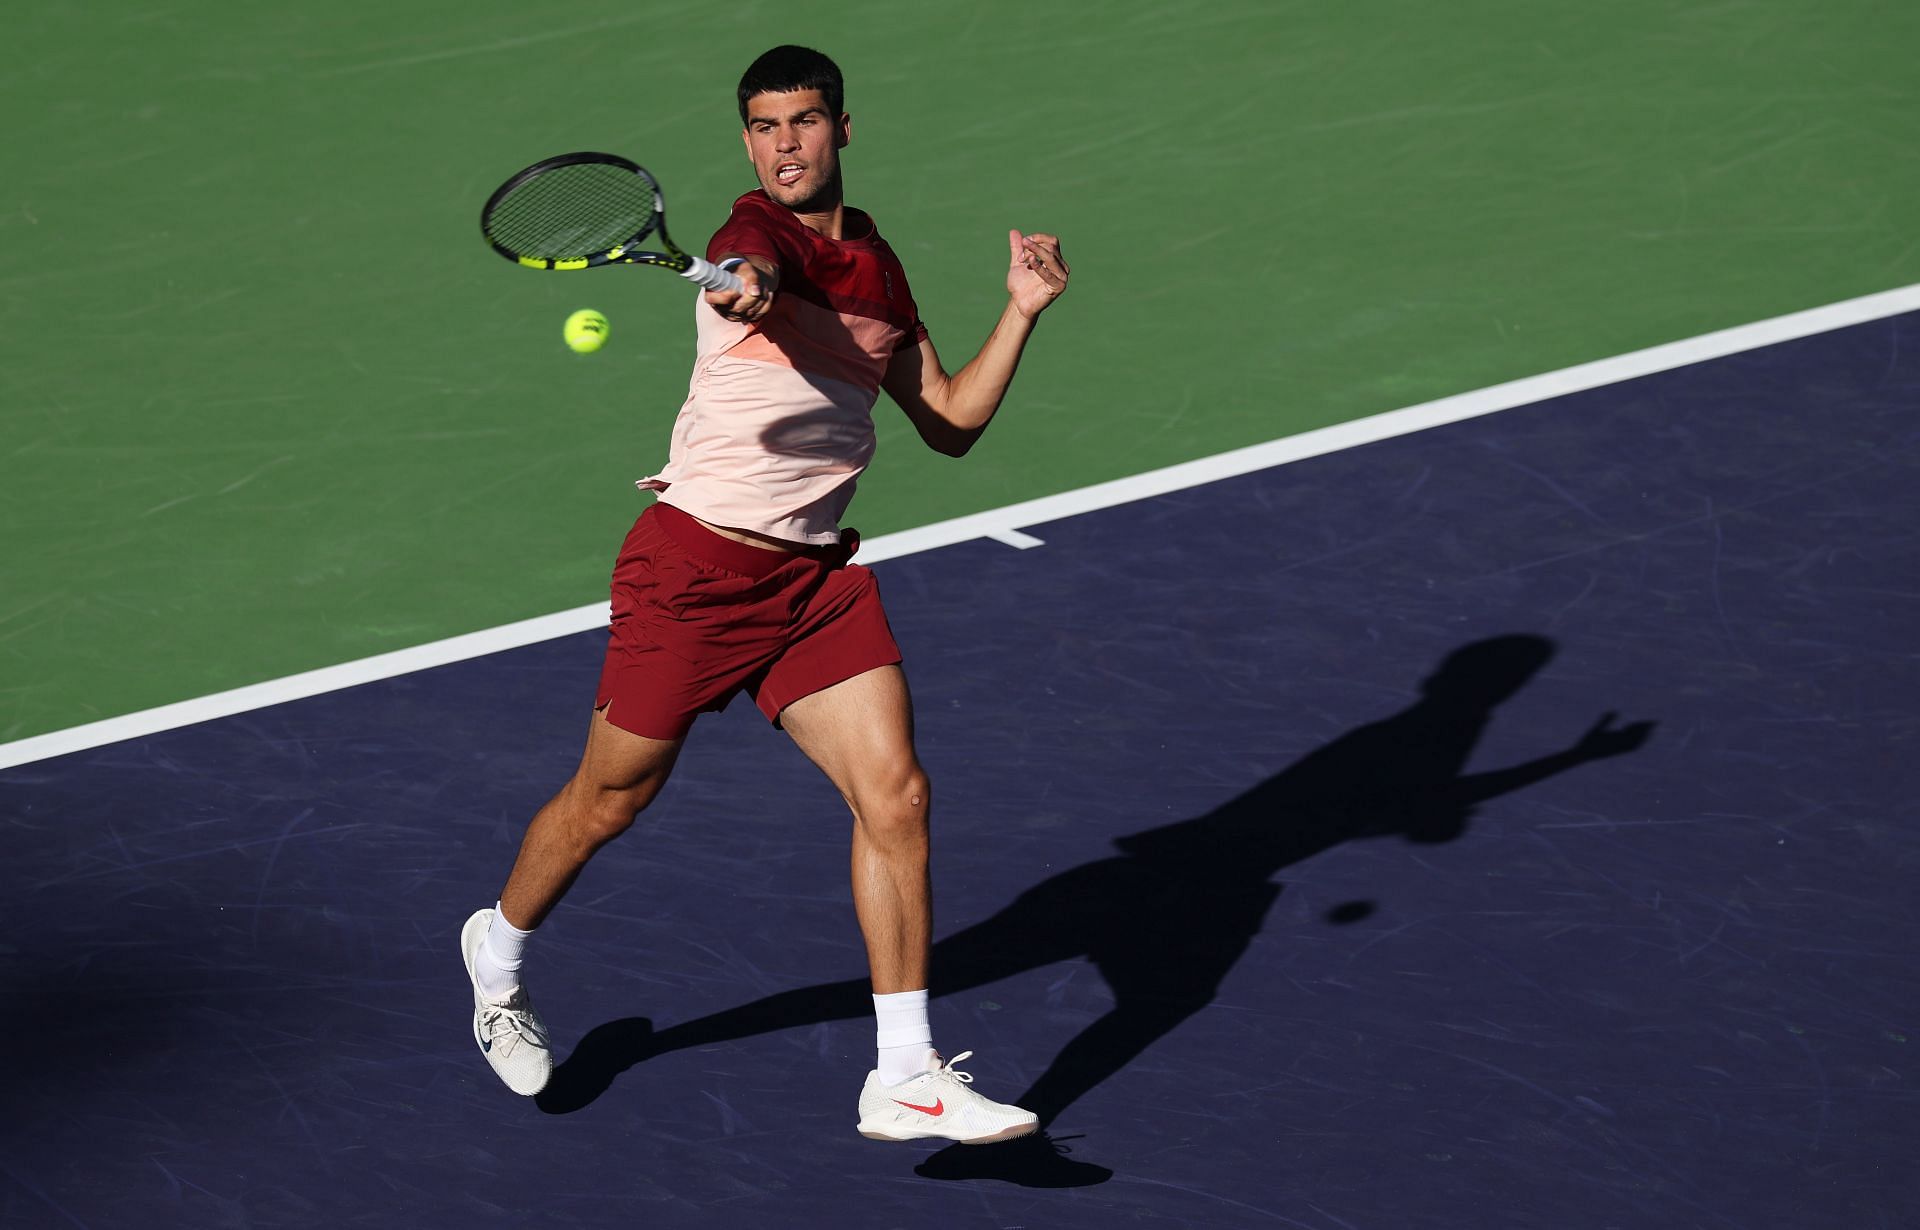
{"points": [[306, 683], [1006, 524]]}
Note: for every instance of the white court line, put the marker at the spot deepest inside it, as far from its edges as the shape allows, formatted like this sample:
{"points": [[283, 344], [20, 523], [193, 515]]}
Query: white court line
{"points": [[1016, 538], [1006, 524]]}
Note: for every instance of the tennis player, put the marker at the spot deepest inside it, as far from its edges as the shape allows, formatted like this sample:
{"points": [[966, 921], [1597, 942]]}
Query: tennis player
{"points": [[739, 579]]}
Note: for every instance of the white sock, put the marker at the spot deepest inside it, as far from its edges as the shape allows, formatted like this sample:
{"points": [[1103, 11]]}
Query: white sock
{"points": [[904, 1038], [496, 967]]}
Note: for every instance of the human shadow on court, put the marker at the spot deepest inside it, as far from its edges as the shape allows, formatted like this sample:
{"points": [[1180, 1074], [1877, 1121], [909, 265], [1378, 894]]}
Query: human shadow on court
{"points": [[1166, 919]]}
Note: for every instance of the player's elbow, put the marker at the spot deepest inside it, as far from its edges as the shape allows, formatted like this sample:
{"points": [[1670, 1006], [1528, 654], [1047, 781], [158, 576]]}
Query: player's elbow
{"points": [[956, 444], [950, 440], [934, 421]]}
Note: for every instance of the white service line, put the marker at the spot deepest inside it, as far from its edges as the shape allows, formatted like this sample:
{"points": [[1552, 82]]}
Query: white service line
{"points": [[1006, 524], [1016, 538]]}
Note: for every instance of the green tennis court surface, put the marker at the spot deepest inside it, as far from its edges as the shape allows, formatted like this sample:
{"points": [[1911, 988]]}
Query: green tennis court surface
{"points": [[269, 403]]}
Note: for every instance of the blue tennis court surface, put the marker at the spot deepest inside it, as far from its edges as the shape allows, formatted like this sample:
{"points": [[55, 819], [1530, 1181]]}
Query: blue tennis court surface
{"points": [[1505, 825]]}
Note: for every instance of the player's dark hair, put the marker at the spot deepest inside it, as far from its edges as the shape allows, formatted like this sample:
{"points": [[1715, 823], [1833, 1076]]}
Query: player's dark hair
{"points": [[789, 68]]}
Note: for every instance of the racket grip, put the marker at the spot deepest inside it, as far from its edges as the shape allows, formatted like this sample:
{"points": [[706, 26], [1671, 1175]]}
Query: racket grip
{"points": [[710, 276]]}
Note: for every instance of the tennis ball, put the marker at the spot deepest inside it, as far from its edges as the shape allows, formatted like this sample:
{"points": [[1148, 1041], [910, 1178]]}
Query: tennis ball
{"points": [[585, 331]]}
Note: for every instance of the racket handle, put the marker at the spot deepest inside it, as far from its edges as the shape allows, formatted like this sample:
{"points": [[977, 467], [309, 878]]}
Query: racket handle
{"points": [[710, 276]]}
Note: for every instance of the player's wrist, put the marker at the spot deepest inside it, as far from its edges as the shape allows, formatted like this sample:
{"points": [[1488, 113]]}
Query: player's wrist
{"points": [[1018, 311], [765, 269]]}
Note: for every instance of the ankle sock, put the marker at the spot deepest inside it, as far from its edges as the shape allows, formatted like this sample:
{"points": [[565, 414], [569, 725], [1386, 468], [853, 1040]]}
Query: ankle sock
{"points": [[902, 1035], [496, 967]]}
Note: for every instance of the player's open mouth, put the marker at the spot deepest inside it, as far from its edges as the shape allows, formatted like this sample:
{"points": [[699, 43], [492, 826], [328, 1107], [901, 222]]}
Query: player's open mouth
{"points": [[788, 173]]}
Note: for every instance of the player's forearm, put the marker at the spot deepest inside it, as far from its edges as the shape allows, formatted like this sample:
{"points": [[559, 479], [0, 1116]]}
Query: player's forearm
{"points": [[975, 392]]}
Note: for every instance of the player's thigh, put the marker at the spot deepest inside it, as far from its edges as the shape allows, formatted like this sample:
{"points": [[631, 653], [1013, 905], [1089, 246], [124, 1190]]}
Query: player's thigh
{"points": [[860, 733], [618, 761]]}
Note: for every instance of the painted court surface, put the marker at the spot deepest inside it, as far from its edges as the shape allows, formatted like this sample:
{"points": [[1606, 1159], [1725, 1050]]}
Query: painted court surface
{"points": [[1288, 860], [1508, 824]]}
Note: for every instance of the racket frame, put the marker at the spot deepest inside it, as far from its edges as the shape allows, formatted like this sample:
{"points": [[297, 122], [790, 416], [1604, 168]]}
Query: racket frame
{"points": [[693, 268]]}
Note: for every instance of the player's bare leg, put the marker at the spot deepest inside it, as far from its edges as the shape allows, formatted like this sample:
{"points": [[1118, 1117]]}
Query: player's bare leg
{"points": [[860, 733], [619, 774]]}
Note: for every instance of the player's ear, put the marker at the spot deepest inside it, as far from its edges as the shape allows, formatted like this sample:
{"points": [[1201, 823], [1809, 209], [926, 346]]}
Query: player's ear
{"points": [[843, 132], [746, 139]]}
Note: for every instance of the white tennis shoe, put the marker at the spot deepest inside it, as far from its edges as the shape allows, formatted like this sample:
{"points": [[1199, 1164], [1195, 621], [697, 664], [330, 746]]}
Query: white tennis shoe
{"points": [[938, 1104], [510, 1033]]}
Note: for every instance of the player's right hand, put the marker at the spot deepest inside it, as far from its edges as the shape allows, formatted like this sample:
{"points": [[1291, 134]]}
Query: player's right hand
{"points": [[753, 300]]}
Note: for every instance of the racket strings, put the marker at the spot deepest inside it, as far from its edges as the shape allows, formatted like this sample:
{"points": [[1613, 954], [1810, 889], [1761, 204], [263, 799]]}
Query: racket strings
{"points": [[572, 211]]}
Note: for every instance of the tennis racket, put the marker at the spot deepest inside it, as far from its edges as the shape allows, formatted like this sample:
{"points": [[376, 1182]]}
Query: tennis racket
{"points": [[579, 211]]}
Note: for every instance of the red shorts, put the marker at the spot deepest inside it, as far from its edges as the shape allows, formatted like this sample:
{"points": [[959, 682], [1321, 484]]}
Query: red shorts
{"points": [[698, 617]]}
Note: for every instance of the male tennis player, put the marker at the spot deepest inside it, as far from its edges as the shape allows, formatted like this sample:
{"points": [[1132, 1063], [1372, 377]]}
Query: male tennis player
{"points": [[738, 579]]}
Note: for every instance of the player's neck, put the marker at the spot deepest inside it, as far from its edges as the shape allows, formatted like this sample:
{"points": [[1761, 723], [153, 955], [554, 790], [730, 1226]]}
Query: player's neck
{"points": [[831, 222], [825, 212]]}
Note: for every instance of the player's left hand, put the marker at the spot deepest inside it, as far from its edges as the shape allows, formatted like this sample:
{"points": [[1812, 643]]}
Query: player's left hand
{"points": [[1036, 272]]}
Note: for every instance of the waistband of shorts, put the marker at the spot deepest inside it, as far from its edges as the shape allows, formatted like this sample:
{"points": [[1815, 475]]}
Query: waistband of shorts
{"points": [[702, 543]]}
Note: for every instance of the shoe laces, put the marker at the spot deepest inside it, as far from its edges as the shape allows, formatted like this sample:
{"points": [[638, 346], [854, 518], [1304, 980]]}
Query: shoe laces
{"points": [[508, 1026], [947, 1069]]}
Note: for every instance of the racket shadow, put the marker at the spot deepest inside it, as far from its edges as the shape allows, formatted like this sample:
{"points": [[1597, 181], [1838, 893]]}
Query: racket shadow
{"points": [[1166, 918]]}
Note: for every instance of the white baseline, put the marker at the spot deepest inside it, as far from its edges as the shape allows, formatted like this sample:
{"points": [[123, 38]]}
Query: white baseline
{"points": [[1005, 524]]}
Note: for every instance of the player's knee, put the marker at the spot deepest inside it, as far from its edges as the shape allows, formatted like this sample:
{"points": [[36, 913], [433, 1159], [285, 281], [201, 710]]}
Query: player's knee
{"points": [[898, 810], [611, 816], [600, 815]]}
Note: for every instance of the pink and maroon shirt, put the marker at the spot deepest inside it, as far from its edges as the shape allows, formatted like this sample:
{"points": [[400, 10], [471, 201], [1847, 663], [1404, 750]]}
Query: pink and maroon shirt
{"points": [[778, 421]]}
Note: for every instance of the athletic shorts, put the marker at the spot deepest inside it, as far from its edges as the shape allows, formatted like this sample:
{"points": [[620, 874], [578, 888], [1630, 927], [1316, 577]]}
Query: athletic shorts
{"points": [[698, 617]]}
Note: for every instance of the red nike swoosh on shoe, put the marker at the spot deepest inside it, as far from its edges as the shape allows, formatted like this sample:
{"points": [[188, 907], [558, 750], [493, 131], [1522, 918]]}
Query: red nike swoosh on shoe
{"points": [[938, 1107]]}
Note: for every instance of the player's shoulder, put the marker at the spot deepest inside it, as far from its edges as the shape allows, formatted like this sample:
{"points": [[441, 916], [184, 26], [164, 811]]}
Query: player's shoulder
{"points": [[758, 202], [863, 232]]}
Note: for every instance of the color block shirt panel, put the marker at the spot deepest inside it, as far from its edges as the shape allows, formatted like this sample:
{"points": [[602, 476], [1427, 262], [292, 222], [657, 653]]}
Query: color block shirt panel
{"points": [[778, 422]]}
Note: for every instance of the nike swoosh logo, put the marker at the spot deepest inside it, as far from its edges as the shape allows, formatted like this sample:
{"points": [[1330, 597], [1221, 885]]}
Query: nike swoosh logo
{"points": [[486, 1045], [939, 1106]]}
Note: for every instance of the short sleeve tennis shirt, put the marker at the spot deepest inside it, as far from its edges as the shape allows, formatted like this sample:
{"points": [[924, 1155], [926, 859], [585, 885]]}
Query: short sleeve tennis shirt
{"points": [[778, 422]]}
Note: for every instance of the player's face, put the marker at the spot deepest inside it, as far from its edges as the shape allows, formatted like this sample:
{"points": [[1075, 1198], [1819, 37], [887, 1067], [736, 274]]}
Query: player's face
{"points": [[794, 143]]}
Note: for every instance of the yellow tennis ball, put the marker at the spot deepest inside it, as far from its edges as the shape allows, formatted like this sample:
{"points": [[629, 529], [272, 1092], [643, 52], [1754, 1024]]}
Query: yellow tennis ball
{"points": [[585, 331]]}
